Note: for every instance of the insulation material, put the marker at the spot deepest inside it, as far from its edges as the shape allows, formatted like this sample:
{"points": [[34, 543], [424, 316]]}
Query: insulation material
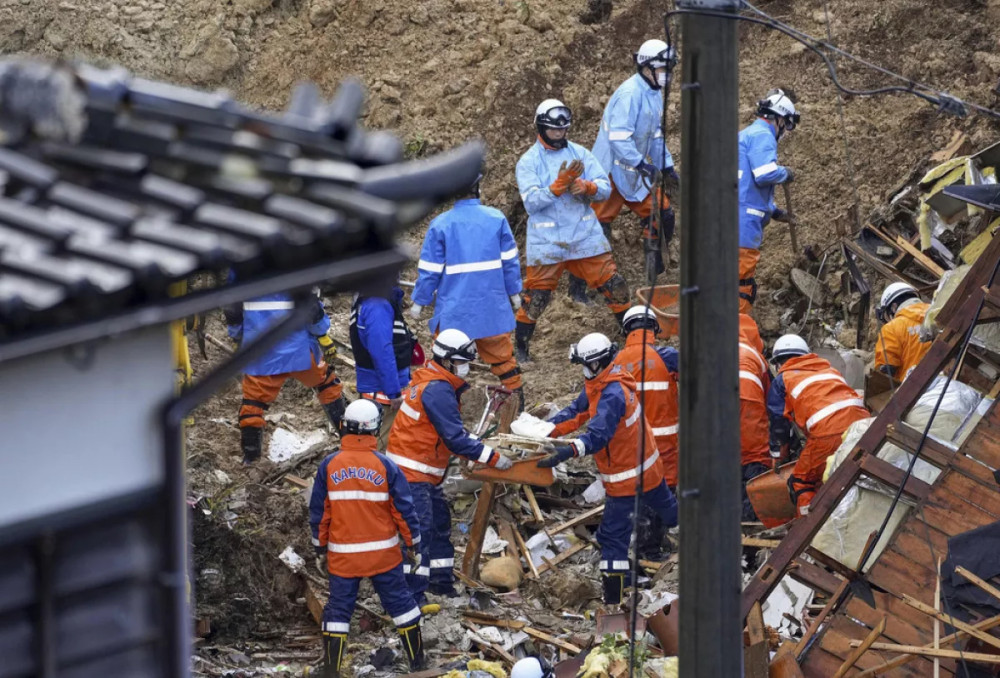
{"points": [[985, 336], [971, 252], [531, 427], [864, 506]]}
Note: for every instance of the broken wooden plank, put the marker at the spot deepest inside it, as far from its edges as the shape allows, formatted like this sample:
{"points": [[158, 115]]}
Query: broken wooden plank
{"points": [[527, 553], [477, 532], [979, 582], [828, 609], [552, 640], [573, 522], [529, 494], [468, 581], [860, 650], [925, 261], [522, 472], [506, 532], [295, 480], [575, 548], [761, 543], [931, 652], [756, 655]]}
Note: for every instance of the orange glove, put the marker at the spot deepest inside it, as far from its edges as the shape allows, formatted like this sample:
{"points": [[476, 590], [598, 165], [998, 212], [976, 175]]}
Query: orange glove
{"points": [[582, 187], [566, 177]]}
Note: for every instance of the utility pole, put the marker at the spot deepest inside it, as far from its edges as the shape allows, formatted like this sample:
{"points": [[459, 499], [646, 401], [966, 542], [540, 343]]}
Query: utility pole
{"points": [[710, 504]]}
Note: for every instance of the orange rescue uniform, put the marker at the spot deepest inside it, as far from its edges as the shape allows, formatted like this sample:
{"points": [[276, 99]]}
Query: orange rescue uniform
{"points": [[899, 344]]}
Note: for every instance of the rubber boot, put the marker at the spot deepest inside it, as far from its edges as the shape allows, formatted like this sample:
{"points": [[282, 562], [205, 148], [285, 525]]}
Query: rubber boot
{"points": [[614, 588], [519, 394], [651, 535], [522, 335], [251, 441], [335, 411], [578, 291], [333, 653], [413, 646]]}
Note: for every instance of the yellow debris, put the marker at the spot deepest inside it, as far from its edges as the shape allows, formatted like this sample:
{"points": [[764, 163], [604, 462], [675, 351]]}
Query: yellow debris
{"points": [[430, 608], [944, 174], [495, 669], [596, 665], [972, 251]]}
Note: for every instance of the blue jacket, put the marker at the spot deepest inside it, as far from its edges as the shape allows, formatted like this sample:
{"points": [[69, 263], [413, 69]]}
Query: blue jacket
{"points": [[469, 259], [759, 173], [375, 322], [601, 427], [781, 427], [630, 134], [299, 351], [560, 228]]}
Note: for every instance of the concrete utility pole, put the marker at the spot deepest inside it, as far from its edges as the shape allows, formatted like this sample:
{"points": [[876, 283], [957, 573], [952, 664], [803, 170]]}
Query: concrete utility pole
{"points": [[710, 623]]}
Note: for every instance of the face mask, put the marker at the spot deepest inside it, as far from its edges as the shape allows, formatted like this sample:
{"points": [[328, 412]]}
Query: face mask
{"points": [[588, 373], [662, 79], [461, 370]]}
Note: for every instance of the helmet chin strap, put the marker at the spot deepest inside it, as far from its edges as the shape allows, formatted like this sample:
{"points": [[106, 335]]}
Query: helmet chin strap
{"points": [[648, 74]]}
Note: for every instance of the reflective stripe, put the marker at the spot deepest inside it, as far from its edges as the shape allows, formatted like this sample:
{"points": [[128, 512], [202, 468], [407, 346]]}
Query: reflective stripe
{"points": [[421, 571], [631, 473], [756, 213], [316, 542], [830, 409], [756, 355], [658, 133], [653, 386], [406, 409], [473, 267], [764, 169], [337, 627], [484, 456], [665, 430], [406, 617], [363, 547], [341, 495], [619, 135], [797, 391], [635, 417], [739, 174], [750, 376], [543, 224], [416, 465], [442, 562], [509, 254], [615, 565], [268, 305], [415, 541], [430, 266]]}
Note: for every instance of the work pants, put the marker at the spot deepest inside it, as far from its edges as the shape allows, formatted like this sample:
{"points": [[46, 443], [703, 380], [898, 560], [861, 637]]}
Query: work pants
{"points": [[615, 531], [608, 210], [751, 471], [598, 271], [498, 352], [388, 416], [807, 474], [437, 555], [259, 391], [749, 258], [669, 457], [391, 589]]}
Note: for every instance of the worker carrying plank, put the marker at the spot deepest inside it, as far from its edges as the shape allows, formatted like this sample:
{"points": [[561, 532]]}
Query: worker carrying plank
{"points": [[899, 347], [558, 180], [759, 172], [810, 392], [302, 355], [360, 507], [755, 380], [383, 351], [616, 429], [631, 148], [427, 431], [469, 260]]}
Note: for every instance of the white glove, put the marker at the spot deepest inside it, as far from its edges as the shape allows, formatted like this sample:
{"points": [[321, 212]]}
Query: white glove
{"points": [[503, 463], [415, 310], [515, 301]]}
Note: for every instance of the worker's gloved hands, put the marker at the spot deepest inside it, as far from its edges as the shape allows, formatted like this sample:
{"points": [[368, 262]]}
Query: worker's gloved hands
{"points": [[515, 301], [647, 171], [329, 348], [415, 310], [583, 187], [412, 556], [791, 175], [321, 564], [671, 181], [558, 454], [395, 403], [234, 342], [503, 463], [780, 215], [567, 175]]}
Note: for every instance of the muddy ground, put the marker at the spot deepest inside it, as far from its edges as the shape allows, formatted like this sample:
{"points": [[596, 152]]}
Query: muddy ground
{"points": [[442, 71]]}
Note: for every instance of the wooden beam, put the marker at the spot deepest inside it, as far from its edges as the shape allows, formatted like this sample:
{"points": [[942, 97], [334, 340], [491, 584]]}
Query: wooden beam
{"points": [[574, 549], [853, 658], [755, 655], [908, 438], [889, 474], [979, 581], [930, 652], [814, 577], [925, 261], [583, 517], [526, 552], [829, 609], [552, 640], [477, 533], [951, 619], [529, 494], [754, 542]]}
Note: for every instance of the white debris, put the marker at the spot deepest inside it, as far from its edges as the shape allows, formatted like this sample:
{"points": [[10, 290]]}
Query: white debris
{"points": [[285, 444], [594, 493], [292, 559], [531, 427], [789, 597], [540, 547], [221, 477], [492, 543], [652, 601]]}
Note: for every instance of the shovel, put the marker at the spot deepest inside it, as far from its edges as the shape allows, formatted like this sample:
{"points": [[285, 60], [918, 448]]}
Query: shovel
{"points": [[793, 222]]}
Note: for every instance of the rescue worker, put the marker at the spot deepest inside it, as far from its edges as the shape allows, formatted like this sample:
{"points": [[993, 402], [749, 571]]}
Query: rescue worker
{"points": [[813, 395], [426, 433], [360, 507], [616, 429], [383, 351], [469, 258], [759, 172], [899, 347], [302, 355], [557, 180], [631, 149], [532, 667], [755, 380]]}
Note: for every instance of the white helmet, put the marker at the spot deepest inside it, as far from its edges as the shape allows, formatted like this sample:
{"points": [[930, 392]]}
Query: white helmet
{"points": [[454, 345], [655, 54], [531, 667], [639, 317], [788, 346], [893, 295], [778, 104], [553, 114], [362, 417], [595, 352]]}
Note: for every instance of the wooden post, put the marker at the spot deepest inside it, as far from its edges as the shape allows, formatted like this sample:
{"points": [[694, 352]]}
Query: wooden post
{"points": [[710, 625], [480, 521]]}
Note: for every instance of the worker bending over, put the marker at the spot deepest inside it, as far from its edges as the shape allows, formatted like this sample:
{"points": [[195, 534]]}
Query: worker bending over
{"points": [[759, 172], [360, 507], [755, 381], [616, 431], [300, 355], [899, 347], [811, 393], [427, 431], [557, 180], [469, 259]]}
